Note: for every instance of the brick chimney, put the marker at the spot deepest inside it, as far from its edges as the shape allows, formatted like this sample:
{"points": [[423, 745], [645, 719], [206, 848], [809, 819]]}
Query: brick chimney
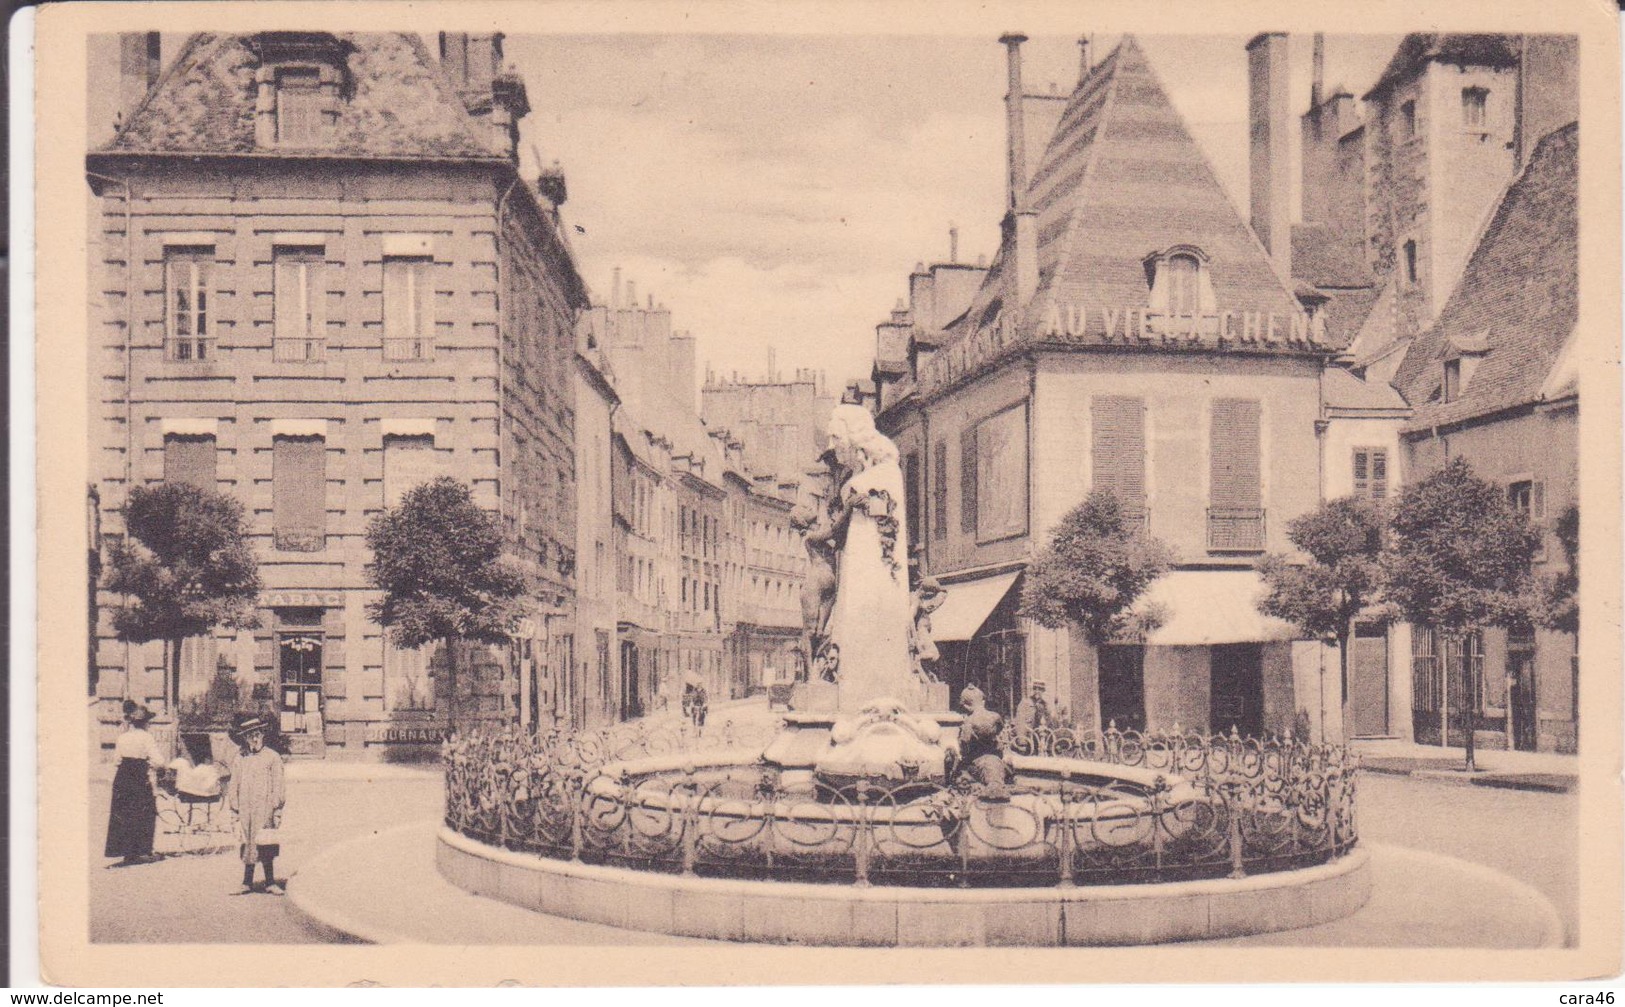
{"points": [[474, 63], [1269, 183], [139, 60], [1020, 223]]}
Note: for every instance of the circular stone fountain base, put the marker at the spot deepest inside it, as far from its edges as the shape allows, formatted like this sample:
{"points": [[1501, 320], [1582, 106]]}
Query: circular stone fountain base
{"points": [[884, 916]]}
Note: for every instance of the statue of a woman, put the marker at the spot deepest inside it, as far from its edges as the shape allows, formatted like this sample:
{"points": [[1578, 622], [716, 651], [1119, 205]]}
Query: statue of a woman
{"points": [[874, 610]]}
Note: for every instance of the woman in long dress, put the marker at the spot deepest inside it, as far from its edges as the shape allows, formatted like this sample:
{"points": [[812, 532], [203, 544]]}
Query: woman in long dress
{"points": [[256, 794], [133, 817], [873, 610]]}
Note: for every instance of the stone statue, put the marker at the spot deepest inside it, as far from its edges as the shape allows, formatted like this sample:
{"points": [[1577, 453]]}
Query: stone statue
{"points": [[928, 594], [815, 520], [873, 615]]}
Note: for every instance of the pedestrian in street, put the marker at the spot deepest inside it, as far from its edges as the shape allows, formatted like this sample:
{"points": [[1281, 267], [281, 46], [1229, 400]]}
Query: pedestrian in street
{"points": [[256, 795], [695, 700], [133, 818], [981, 755], [1033, 713]]}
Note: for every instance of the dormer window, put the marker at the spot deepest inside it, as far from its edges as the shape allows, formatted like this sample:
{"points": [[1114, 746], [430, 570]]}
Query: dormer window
{"points": [[300, 79], [299, 107], [1452, 380], [1407, 120], [1182, 299]]}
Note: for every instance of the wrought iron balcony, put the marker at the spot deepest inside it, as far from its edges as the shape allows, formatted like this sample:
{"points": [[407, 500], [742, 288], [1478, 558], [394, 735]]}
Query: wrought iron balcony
{"points": [[298, 350], [192, 348], [408, 348], [1235, 529], [300, 539]]}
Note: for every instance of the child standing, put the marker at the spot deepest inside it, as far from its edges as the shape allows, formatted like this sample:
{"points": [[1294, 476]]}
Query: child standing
{"points": [[256, 795]]}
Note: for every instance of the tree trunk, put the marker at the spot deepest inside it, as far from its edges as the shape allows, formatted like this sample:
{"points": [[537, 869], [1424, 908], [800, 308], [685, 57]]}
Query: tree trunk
{"points": [[1470, 701], [452, 699], [173, 686]]}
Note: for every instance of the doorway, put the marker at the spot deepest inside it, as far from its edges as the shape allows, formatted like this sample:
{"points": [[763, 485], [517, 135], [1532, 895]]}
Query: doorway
{"points": [[1521, 686], [300, 663], [1237, 698], [1368, 681], [1122, 687]]}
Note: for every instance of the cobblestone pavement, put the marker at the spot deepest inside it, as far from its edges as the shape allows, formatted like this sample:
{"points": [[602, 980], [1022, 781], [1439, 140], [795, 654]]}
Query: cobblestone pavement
{"points": [[191, 898]]}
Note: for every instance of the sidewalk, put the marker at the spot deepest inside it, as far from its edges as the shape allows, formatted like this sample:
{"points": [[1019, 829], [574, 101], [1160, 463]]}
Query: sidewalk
{"points": [[1543, 771]]}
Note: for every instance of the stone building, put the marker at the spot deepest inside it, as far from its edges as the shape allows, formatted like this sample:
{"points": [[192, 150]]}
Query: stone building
{"points": [[1496, 381], [782, 425], [323, 280], [1132, 333]]}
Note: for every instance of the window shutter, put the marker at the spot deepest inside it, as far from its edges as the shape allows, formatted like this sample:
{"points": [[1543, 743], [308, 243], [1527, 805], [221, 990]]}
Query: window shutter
{"points": [[299, 492], [1362, 474], [315, 298], [423, 274], [396, 304], [967, 481], [939, 477], [288, 316], [1537, 500], [911, 494], [1118, 449], [190, 459], [1235, 473], [1379, 474], [408, 462]]}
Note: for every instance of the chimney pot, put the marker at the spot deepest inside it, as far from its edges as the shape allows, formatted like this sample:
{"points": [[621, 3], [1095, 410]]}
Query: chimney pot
{"points": [[1016, 142], [1083, 57], [1270, 188], [139, 64]]}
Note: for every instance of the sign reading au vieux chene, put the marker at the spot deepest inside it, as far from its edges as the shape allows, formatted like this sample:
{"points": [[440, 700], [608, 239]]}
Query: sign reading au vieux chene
{"points": [[1128, 326]]}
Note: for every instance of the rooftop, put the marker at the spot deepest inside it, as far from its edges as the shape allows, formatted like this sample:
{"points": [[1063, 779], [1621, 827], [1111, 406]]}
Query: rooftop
{"points": [[397, 102], [1517, 300]]}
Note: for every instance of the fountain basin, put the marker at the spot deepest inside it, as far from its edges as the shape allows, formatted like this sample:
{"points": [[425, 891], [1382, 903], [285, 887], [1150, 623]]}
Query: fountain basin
{"points": [[895, 916]]}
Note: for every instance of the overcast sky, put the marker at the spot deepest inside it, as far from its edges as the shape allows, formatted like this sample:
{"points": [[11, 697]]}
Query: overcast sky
{"points": [[777, 190]]}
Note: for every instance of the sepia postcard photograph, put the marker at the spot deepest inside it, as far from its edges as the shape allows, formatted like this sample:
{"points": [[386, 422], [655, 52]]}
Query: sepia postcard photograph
{"points": [[686, 493]]}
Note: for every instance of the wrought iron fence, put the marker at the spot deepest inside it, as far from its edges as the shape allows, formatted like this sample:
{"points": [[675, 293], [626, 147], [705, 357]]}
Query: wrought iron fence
{"points": [[1136, 808]]}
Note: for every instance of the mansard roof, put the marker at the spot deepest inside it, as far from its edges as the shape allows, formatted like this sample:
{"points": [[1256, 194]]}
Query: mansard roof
{"points": [[396, 102], [1517, 301], [1121, 179]]}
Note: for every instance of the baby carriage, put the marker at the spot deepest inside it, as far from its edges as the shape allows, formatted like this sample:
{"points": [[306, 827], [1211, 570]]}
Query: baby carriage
{"points": [[192, 811]]}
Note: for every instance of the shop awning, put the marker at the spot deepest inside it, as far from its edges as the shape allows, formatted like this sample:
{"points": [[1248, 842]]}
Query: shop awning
{"points": [[1200, 607], [968, 605]]}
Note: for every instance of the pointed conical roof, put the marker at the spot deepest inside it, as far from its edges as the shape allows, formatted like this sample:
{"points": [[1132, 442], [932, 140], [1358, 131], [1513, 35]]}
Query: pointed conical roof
{"points": [[1120, 180], [397, 102]]}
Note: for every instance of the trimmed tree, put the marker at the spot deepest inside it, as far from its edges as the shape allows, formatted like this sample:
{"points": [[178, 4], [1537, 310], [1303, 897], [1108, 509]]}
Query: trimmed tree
{"points": [[1562, 589], [438, 559], [185, 567], [1459, 561], [1343, 540], [1096, 564]]}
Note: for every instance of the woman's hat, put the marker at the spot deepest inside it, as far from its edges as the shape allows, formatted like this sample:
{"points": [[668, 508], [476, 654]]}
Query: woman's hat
{"points": [[246, 723], [137, 714]]}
